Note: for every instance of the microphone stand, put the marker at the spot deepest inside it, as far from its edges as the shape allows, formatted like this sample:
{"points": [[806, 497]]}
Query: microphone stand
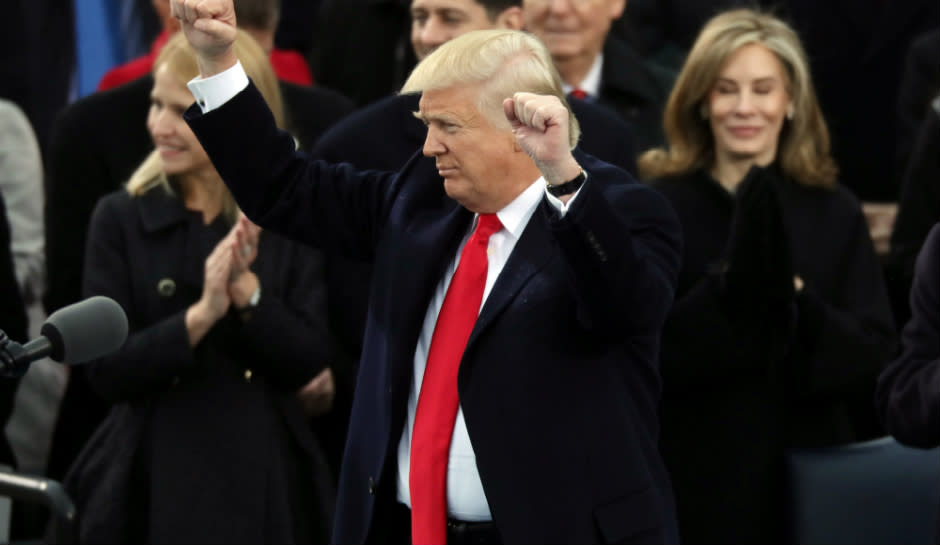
{"points": [[43, 491], [14, 359]]}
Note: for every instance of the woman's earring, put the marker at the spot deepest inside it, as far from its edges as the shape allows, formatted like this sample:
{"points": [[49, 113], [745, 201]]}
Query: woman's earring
{"points": [[790, 112]]}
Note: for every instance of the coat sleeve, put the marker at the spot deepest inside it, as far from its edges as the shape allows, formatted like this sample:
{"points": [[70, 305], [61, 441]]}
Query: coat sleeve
{"points": [[331, 207], [622, 247], [844, 338], [154, 354], [21, 183], [908, 393], [287, 333]]}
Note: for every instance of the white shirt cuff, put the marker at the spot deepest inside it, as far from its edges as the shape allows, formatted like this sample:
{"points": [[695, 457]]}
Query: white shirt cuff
{"points": [[563, 206], [214, 91]]}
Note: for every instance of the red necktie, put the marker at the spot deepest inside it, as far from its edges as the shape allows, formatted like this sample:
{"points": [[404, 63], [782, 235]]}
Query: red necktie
{"points": [[579, 93], [437, 401]]}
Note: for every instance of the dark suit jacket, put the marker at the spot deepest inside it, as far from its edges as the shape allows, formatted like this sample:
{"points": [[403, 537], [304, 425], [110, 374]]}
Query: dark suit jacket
{"points": [[908, 394], [637, 90], [559, 382], [383, 136], [97, 143]]}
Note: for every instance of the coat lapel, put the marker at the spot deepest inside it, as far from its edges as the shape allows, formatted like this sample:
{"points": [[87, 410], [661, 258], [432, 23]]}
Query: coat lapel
{"points": [[532, 253]]}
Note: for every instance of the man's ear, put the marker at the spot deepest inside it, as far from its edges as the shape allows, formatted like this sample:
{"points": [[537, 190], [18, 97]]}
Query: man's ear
{"points": [[511, 18]]}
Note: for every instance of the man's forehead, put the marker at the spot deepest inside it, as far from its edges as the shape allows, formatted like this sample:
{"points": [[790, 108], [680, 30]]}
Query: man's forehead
{"points": [[455, 101]]}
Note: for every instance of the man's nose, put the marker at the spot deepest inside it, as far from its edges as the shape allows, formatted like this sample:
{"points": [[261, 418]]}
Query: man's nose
{"points": [[434, 32], [560, 6], [432, 144]]}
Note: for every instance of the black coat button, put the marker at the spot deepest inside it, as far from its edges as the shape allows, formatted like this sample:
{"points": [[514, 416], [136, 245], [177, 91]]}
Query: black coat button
{"points": [[166, 287]]}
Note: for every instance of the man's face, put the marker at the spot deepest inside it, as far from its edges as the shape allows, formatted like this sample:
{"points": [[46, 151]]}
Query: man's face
{"points": [[571, 28], [473, 155], [434, 22]]}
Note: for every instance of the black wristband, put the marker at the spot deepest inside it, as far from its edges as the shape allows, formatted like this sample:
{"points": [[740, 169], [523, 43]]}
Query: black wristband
{"points": [[567, 188]]}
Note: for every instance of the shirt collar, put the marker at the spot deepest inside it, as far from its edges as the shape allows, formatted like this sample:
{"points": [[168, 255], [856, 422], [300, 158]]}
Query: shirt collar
{"points": [[592, 81], [515, 216]]}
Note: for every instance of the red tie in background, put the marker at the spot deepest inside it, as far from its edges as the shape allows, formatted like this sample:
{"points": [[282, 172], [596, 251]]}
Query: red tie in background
{"points": [[437, 401], [579, 93]]}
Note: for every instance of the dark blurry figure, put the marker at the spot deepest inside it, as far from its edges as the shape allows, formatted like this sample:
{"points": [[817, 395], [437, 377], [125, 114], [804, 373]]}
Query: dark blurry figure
{"points": [[920, 84], [362, 47], [908, 395], [37, 59], [918, 210]]}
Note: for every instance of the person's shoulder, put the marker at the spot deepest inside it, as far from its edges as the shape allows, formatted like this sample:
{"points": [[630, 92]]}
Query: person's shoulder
{"points": [[126, 72], [837, 194], [15, 128], [116, 200], [9, 110], [592, 114], [679, 182], [383, 110], [601, 169], [933, 238], [317, 94], [114, 101], [368, 125], [615, 181], [115, 207]]}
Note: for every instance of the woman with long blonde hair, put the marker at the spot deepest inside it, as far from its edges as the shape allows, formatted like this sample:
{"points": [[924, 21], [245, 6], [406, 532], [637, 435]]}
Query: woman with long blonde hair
{"points": [[781, 320], [228, 355]]}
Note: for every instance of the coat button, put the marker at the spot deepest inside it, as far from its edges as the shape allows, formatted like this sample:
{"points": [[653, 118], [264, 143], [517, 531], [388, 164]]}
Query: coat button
{"points": [[166, 287], [248, 375], [371, 486]]}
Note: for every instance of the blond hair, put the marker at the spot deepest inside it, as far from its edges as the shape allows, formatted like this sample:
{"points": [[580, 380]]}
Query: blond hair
{"points": [[804, 149], [180, 59], [502, 62]]}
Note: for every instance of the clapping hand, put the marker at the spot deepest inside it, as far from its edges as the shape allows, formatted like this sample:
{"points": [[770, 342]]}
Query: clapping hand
{"points": [[318, 394], [756, 262], [242, 245]]}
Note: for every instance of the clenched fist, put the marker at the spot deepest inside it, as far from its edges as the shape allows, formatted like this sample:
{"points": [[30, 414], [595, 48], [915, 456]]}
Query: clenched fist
{"points": [[209, 26]]}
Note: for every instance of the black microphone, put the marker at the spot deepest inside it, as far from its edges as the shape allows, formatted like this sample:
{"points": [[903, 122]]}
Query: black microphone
{"points": [[74, 334]]}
